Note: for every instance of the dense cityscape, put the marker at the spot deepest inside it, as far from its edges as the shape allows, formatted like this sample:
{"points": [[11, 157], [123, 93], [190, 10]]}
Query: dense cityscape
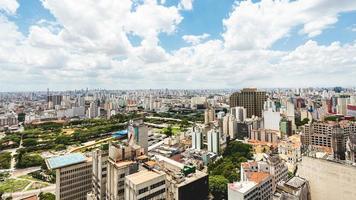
{"points": [[177, 99], [179, 144]]}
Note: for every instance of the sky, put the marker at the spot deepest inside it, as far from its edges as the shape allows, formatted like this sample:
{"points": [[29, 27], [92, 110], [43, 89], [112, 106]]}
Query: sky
{"points": [[178, 44]]}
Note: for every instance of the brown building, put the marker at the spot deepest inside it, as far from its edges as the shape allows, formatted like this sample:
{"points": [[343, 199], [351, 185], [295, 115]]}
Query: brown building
{"points": [[330, 134], [251, 99]]}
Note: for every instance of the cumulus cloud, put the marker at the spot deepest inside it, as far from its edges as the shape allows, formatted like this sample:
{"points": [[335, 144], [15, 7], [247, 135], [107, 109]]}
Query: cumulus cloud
{"points": [[258, 25], [9, 6], [195, 39], [89, 46], [186, 4]]}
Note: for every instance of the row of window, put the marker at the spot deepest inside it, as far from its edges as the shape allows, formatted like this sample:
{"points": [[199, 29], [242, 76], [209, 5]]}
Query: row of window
{"points": [[151, 196]]}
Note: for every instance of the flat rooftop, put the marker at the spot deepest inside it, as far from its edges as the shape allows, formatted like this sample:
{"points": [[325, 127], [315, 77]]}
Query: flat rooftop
{"points": [[143, 176], [242, 187], [257, 177], [65, 160]]}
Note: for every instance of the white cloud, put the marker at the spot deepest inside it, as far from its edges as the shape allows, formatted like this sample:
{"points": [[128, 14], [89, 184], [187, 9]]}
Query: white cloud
{"points": [[195, 39], [9, 6], [88, 46], [259, 25], [186, 4]]}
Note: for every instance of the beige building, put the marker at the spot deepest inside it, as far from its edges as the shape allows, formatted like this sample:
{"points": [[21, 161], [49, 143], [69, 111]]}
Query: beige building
{"points": [[120, 164], [328, 180], [251, 99], [145, 185], [73, 176], [100, 159]]}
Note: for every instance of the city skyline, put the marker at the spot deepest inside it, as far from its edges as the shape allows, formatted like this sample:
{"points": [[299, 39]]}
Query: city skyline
{"points": [[176, 44]]}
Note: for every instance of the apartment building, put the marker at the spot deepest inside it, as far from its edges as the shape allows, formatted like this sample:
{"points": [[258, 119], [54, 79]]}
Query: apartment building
{"points": [[100, 159], [257, 186], [73, 176]]}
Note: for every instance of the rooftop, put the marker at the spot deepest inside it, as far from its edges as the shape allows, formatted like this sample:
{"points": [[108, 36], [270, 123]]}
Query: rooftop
{"points": [[257, 177], [242, 187], [295, 182], [65, 160], [143, 176]]}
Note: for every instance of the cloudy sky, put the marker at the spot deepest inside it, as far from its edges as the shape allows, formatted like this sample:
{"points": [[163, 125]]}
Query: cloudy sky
{"points": [[130, 44]]}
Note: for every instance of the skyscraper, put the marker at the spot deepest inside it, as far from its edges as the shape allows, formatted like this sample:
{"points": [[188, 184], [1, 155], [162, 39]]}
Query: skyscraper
{"points": [[251, 99]]}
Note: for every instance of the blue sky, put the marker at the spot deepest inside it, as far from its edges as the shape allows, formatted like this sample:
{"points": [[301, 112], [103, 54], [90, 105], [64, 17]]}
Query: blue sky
{"points": [[178, 38]]}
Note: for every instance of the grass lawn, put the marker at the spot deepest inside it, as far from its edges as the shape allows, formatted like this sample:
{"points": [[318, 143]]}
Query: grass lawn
{"points": [[12, 185], [37, 185], [30, 178]]}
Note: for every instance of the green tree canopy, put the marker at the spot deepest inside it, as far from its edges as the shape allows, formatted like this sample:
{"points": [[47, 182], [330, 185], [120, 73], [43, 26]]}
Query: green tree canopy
{"points": [[218, 186]]}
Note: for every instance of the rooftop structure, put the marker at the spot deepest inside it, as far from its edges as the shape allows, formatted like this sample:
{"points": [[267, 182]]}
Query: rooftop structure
{"points": [[65, 160]]}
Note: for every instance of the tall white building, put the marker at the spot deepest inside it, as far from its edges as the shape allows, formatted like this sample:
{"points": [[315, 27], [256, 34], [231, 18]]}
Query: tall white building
{"points": [[197, 139], [213, 141], [93, 110], [239, 113], [271, 118]]}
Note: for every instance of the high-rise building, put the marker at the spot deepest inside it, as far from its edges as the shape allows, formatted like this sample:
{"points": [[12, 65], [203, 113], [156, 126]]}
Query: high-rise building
{"points": [[209, 115], [100, 158], [271, 117], [120, 164], [93, 110], [239, 113], [73, 176], [138, 134], [251, 99], [213, 141], [197, 138], [145, 185]]}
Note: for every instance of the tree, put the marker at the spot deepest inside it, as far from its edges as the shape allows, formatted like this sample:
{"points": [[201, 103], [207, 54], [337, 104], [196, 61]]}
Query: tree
{"points": [[21, 117], [29, 142], [46, 196], [218, 186], [168, 131], [63, 139]]}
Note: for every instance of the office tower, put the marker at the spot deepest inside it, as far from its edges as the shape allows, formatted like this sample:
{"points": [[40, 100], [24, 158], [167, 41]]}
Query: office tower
{"points": [[100, 158], [239, 113], [328, 179], [257, 186], [55, 100], [145, 185], [120, 164], [251, 99], [285, 127], [73, 176], [271, 118], [197, 138], [342, 103], [213, 141], [93, 110], [242, 130], [209, 115], [138, 134]]}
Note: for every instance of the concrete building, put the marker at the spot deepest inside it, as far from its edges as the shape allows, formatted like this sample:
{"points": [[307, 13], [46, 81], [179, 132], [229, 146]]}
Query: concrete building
{"points": [[239, 113], [209, 115], [271, 117], [328, 179], [73, 176], [197, 138], [290, 151], [120, 164], [183, 182], [8, 119], [93, 110], [265, 135], [332, 135], [251, 99], [295, 188], [213, 141], [138, 134], [258, 186], [272, 165], [100, 159], [145, 185]]}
